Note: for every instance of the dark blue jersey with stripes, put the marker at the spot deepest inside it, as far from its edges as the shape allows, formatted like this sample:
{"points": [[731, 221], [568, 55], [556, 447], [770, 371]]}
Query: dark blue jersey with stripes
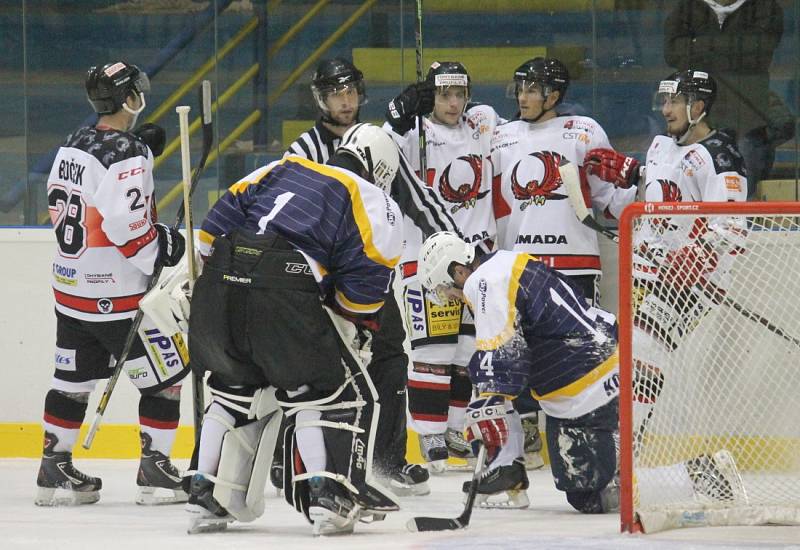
{"points": [[348, 229], [534, 330]]}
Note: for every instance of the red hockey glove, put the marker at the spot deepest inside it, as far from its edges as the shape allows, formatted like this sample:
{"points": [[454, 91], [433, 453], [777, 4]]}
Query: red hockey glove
{"points": [[686, 266], [486, 420], [613, 167]]}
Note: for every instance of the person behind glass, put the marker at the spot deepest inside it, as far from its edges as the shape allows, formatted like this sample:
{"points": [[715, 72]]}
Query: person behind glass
{"points": [[734, 40], [100, 194]]}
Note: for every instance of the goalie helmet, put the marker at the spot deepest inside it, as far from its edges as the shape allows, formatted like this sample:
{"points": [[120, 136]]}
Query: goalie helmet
{"points": [[334, 76], [693, 85], [546, 72], [444, 74], [108, 87], [438, 253], [375, 152]]}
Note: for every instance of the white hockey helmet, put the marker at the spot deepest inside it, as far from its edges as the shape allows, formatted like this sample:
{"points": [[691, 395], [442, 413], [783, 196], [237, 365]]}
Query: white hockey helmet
{"points": [[438, 252], [374, 150]]}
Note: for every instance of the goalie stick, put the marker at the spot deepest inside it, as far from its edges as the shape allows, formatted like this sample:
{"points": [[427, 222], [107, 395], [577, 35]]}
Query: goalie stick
{"points": [[448, 524], [137, 320], [423, 148]]}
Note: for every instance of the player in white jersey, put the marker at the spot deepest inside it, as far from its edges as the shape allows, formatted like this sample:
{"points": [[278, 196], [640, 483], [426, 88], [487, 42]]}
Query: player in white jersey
{"points": [[339, 91], [531, 205], [675, 258], [458, 135], [100, 196], [535, 333], [533, 213], [680, 266]]}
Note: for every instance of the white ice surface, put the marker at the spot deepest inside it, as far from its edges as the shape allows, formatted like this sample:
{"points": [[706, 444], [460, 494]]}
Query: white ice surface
{"points": [[116, 523]]}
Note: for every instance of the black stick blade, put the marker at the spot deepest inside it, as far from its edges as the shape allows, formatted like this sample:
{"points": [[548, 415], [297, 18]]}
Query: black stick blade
{"points": [[434, 524]]}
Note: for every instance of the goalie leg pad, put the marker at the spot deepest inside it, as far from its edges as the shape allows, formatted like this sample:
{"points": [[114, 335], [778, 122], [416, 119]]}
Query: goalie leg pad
{"points": [[583, 457]]}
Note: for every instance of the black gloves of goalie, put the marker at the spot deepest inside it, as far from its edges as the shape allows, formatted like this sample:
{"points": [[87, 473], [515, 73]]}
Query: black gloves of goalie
{"points": [[171, 245], [416, 99], [153, 136]]}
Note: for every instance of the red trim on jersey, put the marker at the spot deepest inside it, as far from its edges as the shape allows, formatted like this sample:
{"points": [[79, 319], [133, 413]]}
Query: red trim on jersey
{"points": [[419, 385], [570, 262], [408, 269], [459, 404], [429, 417], [158, 424], [96, 237], [62, 423], [121, 304], [133, 246], [501, 207]]}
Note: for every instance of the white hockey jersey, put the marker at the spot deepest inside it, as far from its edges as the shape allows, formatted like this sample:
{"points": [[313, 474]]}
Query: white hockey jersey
{"points": [[531, 206], [100, 198], [458, 171], [711, 170]]}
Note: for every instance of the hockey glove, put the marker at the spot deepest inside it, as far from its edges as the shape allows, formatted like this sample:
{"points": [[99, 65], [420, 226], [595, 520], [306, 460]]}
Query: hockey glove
{"points": [[416, 99], [688, 265], [171, 245], [486, 420], [168, 303], [153, 136], [612, 167]]}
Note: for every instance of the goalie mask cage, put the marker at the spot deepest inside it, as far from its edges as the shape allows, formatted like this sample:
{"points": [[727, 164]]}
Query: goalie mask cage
{"points": [[709, 365]]}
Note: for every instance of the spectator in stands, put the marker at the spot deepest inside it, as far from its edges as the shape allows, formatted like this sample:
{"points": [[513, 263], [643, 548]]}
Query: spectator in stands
{"points": [[735, 40]]}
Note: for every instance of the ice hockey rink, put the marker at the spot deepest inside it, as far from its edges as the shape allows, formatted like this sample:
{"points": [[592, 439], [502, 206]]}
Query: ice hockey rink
{"points": [[116, 523]]}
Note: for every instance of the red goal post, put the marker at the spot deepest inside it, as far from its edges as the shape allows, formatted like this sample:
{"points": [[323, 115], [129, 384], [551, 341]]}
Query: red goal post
{"points": [[709, 364]]}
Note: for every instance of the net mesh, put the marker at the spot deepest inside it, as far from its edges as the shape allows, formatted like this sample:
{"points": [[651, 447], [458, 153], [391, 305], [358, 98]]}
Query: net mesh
{"points": [[715, 327]]}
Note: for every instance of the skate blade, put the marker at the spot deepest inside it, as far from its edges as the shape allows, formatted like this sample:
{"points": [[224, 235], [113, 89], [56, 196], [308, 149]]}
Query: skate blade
{"points": [[516, 499], [46, 496], [154, 496], [437, 467], [534, 461], [202, 521], [327, 523], [403, 490]]}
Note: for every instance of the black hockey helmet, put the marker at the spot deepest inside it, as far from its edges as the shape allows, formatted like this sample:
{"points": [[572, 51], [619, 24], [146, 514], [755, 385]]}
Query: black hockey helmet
{"points": [[334, 75], [547, 72], [693, 85], [108, 87], [443, 74]]}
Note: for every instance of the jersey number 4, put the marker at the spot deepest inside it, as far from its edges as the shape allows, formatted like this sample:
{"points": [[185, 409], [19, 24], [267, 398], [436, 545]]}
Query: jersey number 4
{"points": [[69, 224]]}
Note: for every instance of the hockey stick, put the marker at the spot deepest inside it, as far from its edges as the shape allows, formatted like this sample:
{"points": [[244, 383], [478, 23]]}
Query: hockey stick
{"points": [[572, 181], [448, 524], [423, 149], [137, 320], [189, 183]]}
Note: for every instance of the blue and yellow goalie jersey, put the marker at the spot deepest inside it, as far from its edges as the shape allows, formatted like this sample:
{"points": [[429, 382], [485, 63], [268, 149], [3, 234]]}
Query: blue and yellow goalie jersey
{"points": [[347, 229]]}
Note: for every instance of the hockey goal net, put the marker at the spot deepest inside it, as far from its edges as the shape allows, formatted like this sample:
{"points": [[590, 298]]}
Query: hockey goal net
{"points": [[709, 365]]}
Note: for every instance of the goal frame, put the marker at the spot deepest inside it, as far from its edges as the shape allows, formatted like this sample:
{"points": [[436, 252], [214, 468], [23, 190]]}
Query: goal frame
{"points": [[628, 521]]}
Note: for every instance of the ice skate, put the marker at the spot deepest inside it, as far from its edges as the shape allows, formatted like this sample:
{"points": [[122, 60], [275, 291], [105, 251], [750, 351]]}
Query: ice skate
{"points": [[410, 480], [205, 513], [331, 508], [276, 477], [532, 442], [434, 451], [60, 483], [510, 482], [716, 478], [156, 473]]}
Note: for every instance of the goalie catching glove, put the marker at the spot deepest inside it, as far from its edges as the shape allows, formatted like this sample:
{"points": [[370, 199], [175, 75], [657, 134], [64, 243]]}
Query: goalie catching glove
{"points": [[168, 303], [612, 167], [486, 421]]}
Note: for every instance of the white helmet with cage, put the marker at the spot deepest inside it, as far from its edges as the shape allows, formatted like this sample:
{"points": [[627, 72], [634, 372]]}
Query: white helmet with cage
{"points": [[374, 150], [438, 253]]}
